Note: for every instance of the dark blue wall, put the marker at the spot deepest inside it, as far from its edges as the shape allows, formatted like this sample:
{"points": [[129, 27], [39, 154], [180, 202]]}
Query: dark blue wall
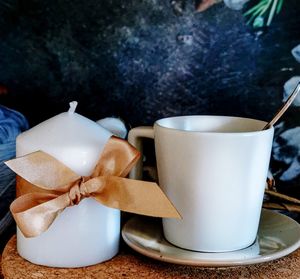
{"points": [[141, 61]]}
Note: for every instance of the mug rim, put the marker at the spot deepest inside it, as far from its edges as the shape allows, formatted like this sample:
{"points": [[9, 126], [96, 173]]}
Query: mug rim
{"points": [[263, 123]]}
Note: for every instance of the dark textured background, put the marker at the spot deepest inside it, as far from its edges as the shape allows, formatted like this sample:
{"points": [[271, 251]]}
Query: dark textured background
{"points": [[141, 61]]}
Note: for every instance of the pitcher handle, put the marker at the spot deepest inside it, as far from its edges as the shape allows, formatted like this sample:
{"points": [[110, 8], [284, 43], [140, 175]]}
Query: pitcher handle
{"points": [[135, 136]]}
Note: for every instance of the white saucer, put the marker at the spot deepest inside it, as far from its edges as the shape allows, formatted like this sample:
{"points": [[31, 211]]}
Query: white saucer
{"points": [[278, 236]]}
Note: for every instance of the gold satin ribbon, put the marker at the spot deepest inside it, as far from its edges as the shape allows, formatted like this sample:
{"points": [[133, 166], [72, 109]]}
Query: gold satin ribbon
{"points": [[46, 186]]}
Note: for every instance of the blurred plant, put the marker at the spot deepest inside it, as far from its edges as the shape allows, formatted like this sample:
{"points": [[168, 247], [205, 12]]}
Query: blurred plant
{"points": [[205, 4], [263, 12]]}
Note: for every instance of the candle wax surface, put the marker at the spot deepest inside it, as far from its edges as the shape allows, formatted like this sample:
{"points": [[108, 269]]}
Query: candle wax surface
{"points": [[84, 234]]}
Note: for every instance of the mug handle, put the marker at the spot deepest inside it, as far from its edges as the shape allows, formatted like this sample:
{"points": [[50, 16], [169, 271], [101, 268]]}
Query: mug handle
{"points": [[135, 136]]}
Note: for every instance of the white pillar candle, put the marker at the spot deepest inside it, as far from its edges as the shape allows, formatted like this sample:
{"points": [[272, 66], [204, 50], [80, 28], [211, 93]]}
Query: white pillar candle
{"points": [[84, 234]]}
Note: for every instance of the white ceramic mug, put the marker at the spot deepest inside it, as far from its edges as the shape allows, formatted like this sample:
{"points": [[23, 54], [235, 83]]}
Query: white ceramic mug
{"points": [[214, 170]]}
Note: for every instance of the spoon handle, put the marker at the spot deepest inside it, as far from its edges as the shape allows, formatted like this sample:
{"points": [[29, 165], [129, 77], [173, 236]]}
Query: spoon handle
{"points": [[284, 107]]}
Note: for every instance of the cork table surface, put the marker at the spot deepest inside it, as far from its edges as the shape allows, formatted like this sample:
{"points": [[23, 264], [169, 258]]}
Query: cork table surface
{"points": [[1, 277], [129, 264]]}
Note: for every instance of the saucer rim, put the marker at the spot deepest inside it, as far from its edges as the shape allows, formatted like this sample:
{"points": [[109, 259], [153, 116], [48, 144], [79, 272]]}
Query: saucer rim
{"points": [[138, 247]]}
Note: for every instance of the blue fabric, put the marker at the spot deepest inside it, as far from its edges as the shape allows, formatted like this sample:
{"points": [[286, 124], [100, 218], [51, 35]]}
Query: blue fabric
{"points": [[12, 123]]}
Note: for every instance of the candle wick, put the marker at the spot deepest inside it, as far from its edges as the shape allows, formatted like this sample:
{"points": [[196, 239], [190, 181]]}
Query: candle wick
{"points": [[73, 106]]}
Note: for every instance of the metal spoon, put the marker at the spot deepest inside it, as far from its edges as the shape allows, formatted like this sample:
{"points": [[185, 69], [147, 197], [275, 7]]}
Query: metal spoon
{"points": [[285, 106]]}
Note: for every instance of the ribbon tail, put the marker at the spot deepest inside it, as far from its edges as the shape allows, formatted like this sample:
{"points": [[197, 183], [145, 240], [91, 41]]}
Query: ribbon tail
{"points": [[134, 196], [35, 212]]}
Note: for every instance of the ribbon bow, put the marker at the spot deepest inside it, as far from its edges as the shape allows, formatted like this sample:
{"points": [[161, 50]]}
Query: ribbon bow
{"points": [[46, 187]]}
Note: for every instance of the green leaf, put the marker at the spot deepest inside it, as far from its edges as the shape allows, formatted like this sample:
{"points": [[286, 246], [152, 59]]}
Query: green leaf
{"points": [[254, 8], [272, 12], [279, 6], [257, 13], [258, 22]]}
